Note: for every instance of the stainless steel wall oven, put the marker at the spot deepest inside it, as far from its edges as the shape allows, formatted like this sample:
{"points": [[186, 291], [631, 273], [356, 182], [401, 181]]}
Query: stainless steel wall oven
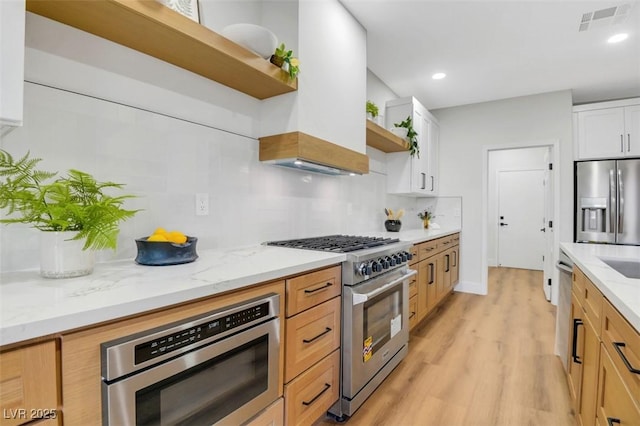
{"points": [[216, 368]]}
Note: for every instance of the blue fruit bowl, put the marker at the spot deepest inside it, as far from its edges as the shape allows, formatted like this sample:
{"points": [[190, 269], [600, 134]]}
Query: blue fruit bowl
{"points": [[160, 253]]}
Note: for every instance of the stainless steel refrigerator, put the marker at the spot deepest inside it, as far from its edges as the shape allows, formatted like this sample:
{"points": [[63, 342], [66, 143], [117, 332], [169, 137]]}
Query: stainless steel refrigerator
{"points": [[607, 201]]}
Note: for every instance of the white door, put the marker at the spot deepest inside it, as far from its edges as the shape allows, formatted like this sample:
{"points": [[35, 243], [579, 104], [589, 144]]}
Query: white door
{"points": [[521, 244]]}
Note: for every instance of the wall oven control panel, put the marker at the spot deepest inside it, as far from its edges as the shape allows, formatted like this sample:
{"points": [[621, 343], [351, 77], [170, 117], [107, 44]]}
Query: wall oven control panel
{"points": [[183, 338], [141, 350]]}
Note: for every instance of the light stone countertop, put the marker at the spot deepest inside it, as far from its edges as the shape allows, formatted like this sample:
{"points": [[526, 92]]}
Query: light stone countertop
{"points": [[622, 292], [32, 306]]}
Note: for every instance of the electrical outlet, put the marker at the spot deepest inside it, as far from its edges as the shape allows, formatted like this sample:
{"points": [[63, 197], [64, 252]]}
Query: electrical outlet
{"points": [[202, 204]]}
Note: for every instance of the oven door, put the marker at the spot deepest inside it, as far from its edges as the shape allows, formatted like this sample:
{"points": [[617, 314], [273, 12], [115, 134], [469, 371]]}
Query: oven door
{"points": [[376, 326], [227, 381]]}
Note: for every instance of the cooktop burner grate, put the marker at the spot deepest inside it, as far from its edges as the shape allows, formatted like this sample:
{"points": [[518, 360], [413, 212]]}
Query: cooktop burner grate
{"points": [[335, 243]]}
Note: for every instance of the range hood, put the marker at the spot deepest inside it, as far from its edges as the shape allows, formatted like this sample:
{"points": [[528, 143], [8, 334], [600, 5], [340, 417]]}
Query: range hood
{"points": [[304, 152]]}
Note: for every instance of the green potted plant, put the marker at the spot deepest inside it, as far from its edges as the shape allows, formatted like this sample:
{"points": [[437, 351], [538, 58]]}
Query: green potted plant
{"points": [[284, 59], [71, 208], [372, 110], [426, 216], [411, 136]]}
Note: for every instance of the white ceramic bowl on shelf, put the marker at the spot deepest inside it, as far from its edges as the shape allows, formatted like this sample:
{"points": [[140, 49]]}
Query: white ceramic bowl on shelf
{"points": [[259, 40]]}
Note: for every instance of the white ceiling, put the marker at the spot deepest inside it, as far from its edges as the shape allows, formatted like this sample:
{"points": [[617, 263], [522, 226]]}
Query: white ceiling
{"points": [[498, 49]]}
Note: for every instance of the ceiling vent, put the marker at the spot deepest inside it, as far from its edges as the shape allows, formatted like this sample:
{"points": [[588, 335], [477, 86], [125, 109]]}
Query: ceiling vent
{"points": [[604, 17]]}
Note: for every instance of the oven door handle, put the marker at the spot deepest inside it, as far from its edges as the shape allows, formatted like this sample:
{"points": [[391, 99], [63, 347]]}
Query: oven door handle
{"points": [[359, 298]]}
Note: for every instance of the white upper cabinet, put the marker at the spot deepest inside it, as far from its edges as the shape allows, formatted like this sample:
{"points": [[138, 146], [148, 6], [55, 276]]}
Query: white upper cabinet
{"points": [[607, 130], [413, 175], [12, 15]]}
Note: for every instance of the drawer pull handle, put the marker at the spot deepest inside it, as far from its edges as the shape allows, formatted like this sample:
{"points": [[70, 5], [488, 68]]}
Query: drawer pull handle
{"points": [[574, 345], [326, 388], [446, 242], [319, 288], [317, 337], [612, 420], [617, 346]]}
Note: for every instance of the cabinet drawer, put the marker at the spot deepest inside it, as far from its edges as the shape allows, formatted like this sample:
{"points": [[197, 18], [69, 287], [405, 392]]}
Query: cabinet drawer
{"points": [[615, 404], [623, 343], [415, 255], [413, 311], [309, 290], [592, 301], [428, 249], [311, 394], [310, 336], [29, 382], [413, 283], [446, 243], [579, 280]]}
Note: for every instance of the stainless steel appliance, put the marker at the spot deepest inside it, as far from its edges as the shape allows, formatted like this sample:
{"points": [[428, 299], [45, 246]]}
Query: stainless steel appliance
{"points": [[565, 268], [375, 311], [221, 367], [607, 201]]}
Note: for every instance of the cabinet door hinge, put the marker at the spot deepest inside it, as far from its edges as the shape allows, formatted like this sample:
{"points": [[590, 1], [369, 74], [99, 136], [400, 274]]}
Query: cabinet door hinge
{"points": [[550, 224], [549, 281], [550, 166]]}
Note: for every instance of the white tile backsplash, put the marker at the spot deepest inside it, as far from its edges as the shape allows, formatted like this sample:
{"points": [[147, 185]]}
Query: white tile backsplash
{"points": [[165, 161]]}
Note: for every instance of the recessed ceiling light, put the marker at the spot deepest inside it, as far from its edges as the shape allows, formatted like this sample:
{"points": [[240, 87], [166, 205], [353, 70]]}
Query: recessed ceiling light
{"points": [[438, 76], [618, 38]]}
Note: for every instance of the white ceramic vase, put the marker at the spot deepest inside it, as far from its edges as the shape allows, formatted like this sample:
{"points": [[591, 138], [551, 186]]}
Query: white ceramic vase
{"points": [[62, 257]]}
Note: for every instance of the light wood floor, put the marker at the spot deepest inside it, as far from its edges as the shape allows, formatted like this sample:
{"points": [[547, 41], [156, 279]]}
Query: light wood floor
{"points": [[480, 361]]}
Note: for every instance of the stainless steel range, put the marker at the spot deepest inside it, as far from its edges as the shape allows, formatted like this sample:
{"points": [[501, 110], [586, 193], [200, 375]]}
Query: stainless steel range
{"points": [[375, 311]]}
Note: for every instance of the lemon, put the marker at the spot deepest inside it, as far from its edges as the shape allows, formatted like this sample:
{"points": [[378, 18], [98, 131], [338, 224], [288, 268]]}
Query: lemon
{"points": [[160, 231], [177, 237], [157, 237]]}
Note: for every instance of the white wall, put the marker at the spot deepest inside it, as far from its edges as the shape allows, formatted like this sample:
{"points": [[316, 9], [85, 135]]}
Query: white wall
{"points": [[503, 160], [379, 93], [464, 134]]}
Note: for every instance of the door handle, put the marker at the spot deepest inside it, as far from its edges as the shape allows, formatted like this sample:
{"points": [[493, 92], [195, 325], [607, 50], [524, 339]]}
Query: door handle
{"points": [[543, 229], [504, 224], [424, 181]]}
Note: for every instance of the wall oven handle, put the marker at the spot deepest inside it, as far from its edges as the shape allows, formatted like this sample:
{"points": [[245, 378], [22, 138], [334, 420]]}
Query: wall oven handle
{"points": [[359, 298], [326, 388], [574, 345], [327, 330], [318, 288], [617, 346]]}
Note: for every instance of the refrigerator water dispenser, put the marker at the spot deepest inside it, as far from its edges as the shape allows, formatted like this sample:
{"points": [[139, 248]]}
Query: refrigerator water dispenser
{"points": [[594, 214]]}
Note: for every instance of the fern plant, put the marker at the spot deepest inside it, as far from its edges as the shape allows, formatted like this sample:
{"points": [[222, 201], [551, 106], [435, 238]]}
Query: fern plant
{"points": [[76, 202], [412, 136]]}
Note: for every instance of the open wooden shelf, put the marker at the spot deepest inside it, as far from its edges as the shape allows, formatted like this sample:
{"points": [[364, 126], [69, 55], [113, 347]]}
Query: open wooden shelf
{"points": [[152, 28], [380, 138]]}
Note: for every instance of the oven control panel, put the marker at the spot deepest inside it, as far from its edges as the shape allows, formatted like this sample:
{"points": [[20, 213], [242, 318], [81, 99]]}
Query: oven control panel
{"points": [[170, 342], [375, 266]]}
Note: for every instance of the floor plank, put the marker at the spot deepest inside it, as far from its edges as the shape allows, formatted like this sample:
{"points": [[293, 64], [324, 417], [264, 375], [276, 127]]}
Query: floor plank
{"points": [[480, 361]]}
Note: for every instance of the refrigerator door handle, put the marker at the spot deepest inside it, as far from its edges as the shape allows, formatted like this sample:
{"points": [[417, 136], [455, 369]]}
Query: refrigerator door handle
{"points": [[612, 204], [620, 206]]}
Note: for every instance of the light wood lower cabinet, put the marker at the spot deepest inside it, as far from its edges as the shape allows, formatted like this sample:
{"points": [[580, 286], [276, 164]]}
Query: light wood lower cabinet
{"points": [[311, 394], [603, 350], [29, 388], [312, 346], [438, 272]]}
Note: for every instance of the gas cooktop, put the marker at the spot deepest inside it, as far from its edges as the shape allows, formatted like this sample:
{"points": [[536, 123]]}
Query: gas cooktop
{"points": [[335, 243]]}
